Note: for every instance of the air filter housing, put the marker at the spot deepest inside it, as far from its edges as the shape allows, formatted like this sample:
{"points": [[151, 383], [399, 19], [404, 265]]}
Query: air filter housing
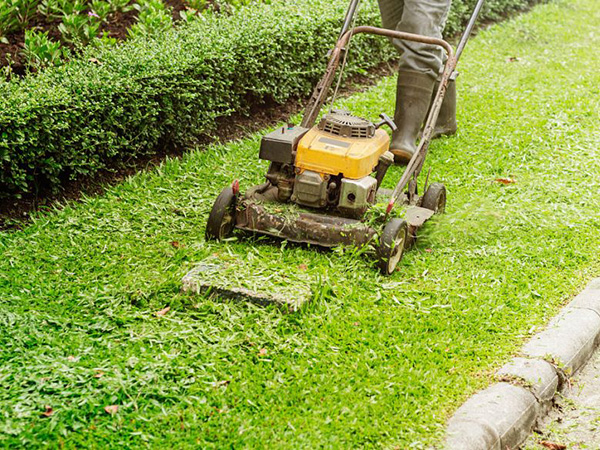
{"points": [[342, 123]]}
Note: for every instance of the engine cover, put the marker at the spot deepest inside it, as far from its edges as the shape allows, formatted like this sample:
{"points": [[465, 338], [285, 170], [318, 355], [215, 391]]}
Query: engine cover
{"points": [[325, 151]]}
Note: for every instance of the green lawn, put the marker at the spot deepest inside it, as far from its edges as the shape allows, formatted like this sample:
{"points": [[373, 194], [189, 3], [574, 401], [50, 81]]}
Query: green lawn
{"points": [[374, 362]]}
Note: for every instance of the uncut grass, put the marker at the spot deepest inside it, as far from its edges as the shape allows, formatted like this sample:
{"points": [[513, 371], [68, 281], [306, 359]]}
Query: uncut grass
{"points": [[373, 361]]}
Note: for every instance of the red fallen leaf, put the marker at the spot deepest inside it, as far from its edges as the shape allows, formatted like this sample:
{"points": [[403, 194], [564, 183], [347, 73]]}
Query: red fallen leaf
{"points": [[262, 352], [505, 180], [553, 445], [111, 409], [176, 244], [303, 267], [48, 412], [163, 311]]}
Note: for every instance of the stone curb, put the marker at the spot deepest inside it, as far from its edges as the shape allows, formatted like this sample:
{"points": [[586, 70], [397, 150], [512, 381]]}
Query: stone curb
{"points": [[503, 415]]}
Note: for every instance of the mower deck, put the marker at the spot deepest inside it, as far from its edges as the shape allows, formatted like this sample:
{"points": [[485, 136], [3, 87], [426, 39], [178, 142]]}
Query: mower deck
{"points": [[260, 212]]}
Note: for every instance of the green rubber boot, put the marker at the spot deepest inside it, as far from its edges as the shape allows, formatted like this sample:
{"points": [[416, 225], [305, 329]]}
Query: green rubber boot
{"points": [[446, 121], [413, 96]]}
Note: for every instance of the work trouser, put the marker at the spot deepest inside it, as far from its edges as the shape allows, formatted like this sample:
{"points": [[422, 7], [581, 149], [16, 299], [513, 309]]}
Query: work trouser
{"points": [[426, 17]]}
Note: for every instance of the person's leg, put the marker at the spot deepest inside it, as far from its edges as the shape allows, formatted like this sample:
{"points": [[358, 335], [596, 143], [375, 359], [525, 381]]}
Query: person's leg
{"points": [[391, 13], [420, 66], [425, 17]]}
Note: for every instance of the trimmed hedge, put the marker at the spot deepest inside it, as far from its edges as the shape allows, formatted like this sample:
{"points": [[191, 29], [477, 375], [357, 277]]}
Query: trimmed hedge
{"points": [[114, 104]]}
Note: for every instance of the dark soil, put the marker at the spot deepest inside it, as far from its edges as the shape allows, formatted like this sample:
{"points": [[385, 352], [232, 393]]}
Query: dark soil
{"points": [[16, 213]]}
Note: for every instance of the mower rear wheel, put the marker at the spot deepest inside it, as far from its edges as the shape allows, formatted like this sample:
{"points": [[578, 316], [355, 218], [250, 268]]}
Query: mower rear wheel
{"points": [[391, 245], [221, 220], [435, 198]]}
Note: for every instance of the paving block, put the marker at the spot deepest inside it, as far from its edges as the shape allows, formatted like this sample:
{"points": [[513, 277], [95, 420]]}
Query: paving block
{"points": [[589, 298], [569, 340], [540, 377], [234, 279], [497, 418]]}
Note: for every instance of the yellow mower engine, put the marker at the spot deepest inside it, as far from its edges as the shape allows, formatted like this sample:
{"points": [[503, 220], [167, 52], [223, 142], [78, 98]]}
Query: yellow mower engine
{"points": [[330, 165]]}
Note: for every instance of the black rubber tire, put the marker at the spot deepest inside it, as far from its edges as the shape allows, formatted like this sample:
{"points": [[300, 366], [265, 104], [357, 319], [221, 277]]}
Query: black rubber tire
{"points": [[435, 198], [391, 245], [221, 219]]}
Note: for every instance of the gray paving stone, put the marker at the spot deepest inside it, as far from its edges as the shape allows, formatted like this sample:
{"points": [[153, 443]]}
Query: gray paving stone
{"points": [[589, 298], [575, 422], [499, 417], [540, 376], [503, 415], [569, 340]]}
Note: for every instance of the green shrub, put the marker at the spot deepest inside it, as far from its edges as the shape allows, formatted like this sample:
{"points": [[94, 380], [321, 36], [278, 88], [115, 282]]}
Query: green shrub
{"points": [[114, 104], [41, 51], [15, 15], [154, 17]]}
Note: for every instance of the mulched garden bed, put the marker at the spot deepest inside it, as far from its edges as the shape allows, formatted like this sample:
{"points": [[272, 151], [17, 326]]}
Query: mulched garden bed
{"points": [[116, 27]]}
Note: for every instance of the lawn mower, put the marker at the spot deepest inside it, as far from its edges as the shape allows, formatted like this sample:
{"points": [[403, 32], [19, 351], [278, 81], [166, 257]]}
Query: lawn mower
{"points": [[323, 179]]}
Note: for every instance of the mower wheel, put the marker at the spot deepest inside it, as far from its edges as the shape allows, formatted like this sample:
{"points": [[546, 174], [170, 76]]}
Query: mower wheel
{"points": [[435, 198], [222, 216], [391, 245]]}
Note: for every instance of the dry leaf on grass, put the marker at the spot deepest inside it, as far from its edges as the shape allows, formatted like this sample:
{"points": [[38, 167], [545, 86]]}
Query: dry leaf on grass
{"points": [[505, 180], [302, 267], [111, 409], [553, 445], [262, 352], [163, 311], [48, 412]]}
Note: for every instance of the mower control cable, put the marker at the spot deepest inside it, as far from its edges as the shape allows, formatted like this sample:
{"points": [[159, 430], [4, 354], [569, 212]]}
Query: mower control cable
{"points": [[348, 22]]}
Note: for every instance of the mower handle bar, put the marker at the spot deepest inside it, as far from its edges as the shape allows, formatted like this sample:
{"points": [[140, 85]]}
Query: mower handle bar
{"points": [[350, 12], [319, 95], [320, 92]]}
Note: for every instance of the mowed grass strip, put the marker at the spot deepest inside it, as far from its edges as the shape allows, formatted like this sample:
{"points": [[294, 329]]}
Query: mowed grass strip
{"points": [[373, 361]]}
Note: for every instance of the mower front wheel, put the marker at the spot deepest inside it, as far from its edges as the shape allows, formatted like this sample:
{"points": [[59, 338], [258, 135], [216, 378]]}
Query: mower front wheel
{"points": [[435, 198], [221, 220], [391, 245]]}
